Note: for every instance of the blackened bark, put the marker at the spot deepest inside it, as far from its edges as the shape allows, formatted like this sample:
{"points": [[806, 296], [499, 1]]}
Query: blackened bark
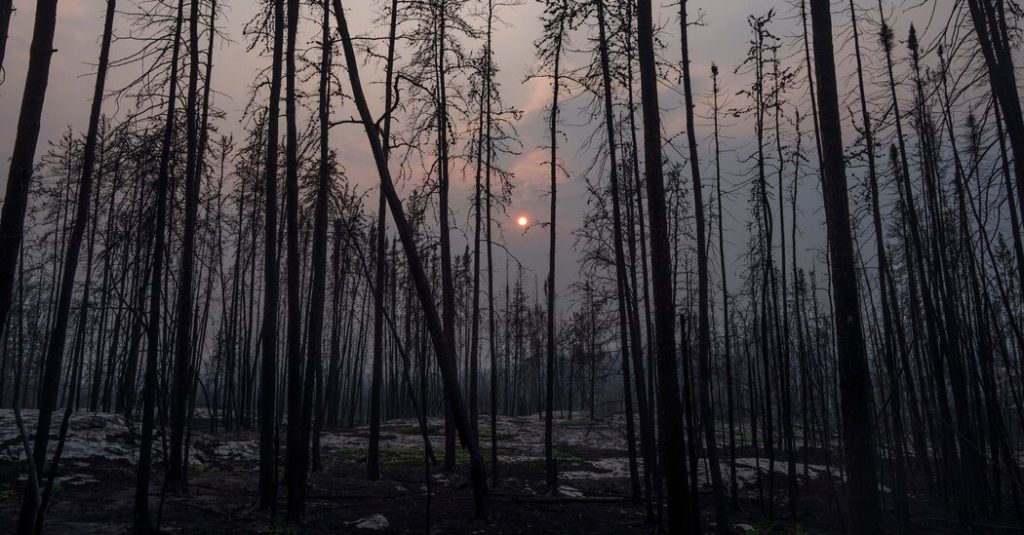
{"points": [[854, 378], [12, 218], [703, 299], [551, 469], [373, 453], [318, 279], [271, 278], [990, 28], [141, 520], [442, 347], [297, 451], [177, 466], [6, 11], [49, 389], [672, 437]]}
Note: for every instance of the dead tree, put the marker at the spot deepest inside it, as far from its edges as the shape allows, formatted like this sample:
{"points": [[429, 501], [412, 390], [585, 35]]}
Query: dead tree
{"points": [[672, 437], [373, 453], [442, 345], [12, 218], [854, 377], [271, 278], [318, 277], [177, 465], [49, 390], [6, 10], [703, 291], [297, 450], [141, 521]]}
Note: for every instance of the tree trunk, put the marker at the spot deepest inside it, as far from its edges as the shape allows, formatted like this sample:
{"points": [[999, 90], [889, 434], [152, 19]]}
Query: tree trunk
{"points": [[12, 217], [271, 279], [672, 437], [373, 455], [550, 467], [156, 279], [442, 347], [49, 389], [703, 299], [885, 291], [990, 28], [6, 10], [318, 278], [854, 377], [297, 450], [177, 465]]}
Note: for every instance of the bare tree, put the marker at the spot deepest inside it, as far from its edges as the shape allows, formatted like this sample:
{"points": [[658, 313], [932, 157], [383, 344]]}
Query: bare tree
{"points": [[177, 465], [31, 513], [12, 218], [297, 451], [141, 521], [6, 12], [373, 454], [672, 438], [271, 277], [442, 348], [703, 291], [854, 377]]}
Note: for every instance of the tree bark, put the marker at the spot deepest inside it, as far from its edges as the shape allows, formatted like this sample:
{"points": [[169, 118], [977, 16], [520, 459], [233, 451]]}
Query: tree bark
{"points": [[672, 437], [297, 450], [49, 389], [442, 345], [318, 278], [854, 377], [703, 299], [177, 465], [373, 453], [141, 520], [6, 11], [12, 217], [271, 279]]}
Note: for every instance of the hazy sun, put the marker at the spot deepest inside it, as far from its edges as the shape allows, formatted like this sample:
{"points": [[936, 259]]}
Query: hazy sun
{"points": [[522, 221]]}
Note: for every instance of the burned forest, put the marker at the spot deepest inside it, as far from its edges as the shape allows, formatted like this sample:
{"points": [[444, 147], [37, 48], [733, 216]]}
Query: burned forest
{"points": [[511, 266]]}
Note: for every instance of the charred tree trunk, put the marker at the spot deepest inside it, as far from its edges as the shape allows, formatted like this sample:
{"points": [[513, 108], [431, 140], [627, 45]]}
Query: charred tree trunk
{"points": [[177, 465], [6, 11], [703, 291], [672, 438], [318, 277], [373, 455], [442, 345], [990, 27], [886, 292], [149, 394], [12, 217], [854, 377], [49, 389], [297, 450], [271, 280]]}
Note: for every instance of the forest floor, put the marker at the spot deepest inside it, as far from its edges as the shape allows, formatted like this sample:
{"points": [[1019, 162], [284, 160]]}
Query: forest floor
{"points": [[95, 486]]}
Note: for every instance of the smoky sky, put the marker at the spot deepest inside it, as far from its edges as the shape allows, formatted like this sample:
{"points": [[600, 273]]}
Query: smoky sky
{"points": [[720, 34]]}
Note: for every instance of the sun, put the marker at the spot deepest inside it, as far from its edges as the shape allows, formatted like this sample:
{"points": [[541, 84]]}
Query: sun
{"points": [[522, 221]]}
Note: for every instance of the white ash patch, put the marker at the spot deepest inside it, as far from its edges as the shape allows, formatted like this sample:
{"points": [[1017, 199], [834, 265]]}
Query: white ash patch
{"points": [[90, 435]]}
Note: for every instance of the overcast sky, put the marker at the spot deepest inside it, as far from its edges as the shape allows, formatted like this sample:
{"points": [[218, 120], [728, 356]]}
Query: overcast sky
{"points": [[722, 39]]}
